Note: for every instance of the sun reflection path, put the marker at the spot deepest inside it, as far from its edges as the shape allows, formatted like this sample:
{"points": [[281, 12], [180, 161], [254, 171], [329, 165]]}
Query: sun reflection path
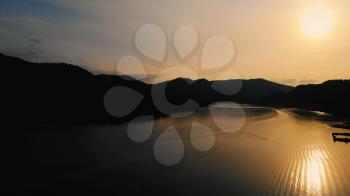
{"points": [[314, 172], [306, 173]]}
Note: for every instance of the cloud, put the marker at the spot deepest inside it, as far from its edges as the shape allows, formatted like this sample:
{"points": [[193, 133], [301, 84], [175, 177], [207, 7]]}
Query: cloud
{"points": [[99, 33], [70, 39], [33, 51], [290, 81], [308, 81], [34, 40], [294, 81]]}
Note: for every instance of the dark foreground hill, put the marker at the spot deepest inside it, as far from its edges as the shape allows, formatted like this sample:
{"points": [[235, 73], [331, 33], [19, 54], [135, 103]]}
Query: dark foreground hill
{"points": [[57, 92], [46, 92], [332, 96]]}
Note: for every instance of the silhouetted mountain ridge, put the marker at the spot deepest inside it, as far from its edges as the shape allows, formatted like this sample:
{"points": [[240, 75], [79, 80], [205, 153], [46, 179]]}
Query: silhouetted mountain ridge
{"points": [[331, 96], [59, 92]]}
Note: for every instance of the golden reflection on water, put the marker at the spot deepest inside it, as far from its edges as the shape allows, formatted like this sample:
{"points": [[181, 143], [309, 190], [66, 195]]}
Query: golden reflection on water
{"points": [[313, 172]]}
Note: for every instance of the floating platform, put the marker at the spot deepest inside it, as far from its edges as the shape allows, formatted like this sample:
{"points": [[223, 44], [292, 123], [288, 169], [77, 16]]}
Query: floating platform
{"points": [[341, 137]]}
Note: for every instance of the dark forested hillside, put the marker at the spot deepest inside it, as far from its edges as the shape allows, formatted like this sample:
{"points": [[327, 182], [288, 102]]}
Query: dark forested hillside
{"points": [[332, 96], [58, 92]]}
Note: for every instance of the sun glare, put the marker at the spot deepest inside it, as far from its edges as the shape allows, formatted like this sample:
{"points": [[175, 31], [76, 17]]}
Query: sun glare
{"points": [[317, 22]]}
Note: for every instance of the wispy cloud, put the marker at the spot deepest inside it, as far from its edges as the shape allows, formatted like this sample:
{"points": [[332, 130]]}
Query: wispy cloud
{"points": [[290, 81], [295, 82], [308, 81], [99, 33]]}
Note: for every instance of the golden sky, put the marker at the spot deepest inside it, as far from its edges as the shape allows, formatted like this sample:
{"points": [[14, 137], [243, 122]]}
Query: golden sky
{"points": [[272, 36]]}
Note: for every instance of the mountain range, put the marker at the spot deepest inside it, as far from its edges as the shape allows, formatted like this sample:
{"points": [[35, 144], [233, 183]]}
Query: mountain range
{"points": [[64, 93]]}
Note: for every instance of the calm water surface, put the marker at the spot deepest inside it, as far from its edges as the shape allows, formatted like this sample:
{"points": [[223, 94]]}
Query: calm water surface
{"points": [[274, 153]]}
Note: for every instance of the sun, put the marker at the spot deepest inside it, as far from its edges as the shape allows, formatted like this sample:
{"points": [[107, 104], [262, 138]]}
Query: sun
{"points": [[317, 22]]}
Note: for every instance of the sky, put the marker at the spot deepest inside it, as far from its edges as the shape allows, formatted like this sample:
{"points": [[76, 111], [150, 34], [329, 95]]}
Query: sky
{"points": [[96, 34]]}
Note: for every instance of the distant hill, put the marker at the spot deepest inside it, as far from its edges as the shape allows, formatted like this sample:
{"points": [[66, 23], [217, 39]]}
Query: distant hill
{"points": [[58, 92], [206, 92], [332, 96]]}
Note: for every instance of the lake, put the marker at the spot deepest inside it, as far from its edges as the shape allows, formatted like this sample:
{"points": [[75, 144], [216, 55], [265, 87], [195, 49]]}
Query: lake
{"points": [[225, 149]]}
